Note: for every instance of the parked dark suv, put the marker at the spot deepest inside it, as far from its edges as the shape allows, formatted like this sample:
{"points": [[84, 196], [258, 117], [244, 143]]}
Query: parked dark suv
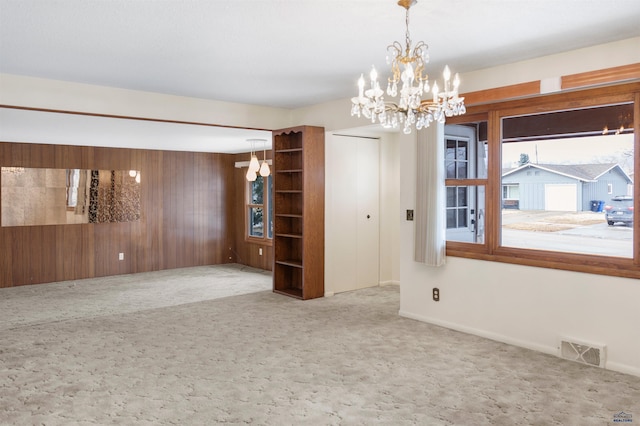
{"points": [[620, 209]]}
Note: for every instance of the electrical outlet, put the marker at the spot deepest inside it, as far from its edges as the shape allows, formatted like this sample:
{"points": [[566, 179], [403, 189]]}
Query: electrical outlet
{"points": [[120, 256], [260, 251], [436, 294], [409, 214]]}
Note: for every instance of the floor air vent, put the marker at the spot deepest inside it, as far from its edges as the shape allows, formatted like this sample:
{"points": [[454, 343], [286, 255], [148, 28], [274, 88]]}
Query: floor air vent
{"points": [[584, 353]]}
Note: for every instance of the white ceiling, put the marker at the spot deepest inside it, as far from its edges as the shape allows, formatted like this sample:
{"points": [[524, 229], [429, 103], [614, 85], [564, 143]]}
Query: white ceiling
{"points": [[285, 53]]}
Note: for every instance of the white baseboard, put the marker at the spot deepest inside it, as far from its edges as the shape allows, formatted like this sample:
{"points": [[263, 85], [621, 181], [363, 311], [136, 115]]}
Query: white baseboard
{"points": [[551, 350], [622, 368], [389, 282]]}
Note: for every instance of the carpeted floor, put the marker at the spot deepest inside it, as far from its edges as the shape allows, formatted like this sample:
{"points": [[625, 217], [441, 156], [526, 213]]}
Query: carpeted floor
{"points": [[107, 351]]}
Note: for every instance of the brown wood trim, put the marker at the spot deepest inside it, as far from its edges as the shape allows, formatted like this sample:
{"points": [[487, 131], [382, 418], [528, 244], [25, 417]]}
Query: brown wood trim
{"points": [[493, 203], [466, 182], [129, 117], [554, 260], [621, 74], [468, 118], [492, 250], [607, 75], [636, 186], [612, 94], [502, 93]]}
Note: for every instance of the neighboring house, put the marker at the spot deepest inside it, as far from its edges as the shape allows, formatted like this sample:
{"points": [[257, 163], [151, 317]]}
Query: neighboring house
{"points": [[562, 187]]}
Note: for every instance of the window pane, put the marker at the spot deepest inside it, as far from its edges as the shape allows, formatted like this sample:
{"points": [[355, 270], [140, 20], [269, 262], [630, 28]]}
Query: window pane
{"points": [[451, 196], [257, 191], [450, 157], [256, 225], [462, 150], [462, 196], [563, 174], [451, 219], [462, 218], [462, 170]]}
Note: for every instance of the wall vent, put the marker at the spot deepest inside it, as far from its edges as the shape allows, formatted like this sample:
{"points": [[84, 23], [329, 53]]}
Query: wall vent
{"points": [[582, 352]]}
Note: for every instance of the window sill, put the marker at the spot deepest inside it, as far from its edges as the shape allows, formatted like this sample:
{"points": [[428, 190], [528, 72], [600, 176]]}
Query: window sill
{"points": [[259, 241], [591, 264]]}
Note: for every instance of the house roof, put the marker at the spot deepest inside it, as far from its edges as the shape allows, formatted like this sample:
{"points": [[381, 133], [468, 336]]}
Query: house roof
{"points": [[582, 172]]}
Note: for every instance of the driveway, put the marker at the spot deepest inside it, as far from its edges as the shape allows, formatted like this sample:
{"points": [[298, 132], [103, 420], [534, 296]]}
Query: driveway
{"points": [[580, 232]]}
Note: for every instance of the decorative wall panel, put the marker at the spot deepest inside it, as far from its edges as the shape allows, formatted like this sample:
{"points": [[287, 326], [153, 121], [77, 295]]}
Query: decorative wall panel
{"points": [[185, 208]]}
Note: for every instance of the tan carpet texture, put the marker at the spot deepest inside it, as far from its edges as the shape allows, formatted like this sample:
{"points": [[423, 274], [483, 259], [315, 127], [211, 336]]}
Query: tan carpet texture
{"points": [[147, 350]]}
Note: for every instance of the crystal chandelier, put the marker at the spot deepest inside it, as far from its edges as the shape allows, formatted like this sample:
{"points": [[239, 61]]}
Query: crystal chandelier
{"points": [[418, 105]]}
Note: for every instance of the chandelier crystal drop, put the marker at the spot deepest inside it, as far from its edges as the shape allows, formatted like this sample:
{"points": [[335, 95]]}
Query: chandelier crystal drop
{"points": [[418, 105]]}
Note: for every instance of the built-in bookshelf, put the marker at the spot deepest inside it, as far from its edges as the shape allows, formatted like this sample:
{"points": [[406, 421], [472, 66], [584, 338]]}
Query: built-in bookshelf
{"points": [[298, 163]]}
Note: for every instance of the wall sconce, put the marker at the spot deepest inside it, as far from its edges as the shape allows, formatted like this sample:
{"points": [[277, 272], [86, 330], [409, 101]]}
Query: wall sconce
{"points": [[135, 174]]}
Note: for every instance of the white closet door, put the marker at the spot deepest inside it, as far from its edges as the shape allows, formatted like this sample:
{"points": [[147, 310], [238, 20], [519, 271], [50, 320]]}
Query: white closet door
{"points": [[353, 205]]}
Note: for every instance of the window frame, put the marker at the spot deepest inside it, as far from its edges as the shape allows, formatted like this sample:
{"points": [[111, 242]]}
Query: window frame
{"points": [[266, 212], [491, 249]]}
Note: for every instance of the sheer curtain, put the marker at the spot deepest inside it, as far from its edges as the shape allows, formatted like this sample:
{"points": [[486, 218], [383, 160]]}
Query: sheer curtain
{"points": [[430, 225]]}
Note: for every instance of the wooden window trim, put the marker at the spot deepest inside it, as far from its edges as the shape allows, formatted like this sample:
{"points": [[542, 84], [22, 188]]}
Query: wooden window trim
{"points": [[492, 250]]}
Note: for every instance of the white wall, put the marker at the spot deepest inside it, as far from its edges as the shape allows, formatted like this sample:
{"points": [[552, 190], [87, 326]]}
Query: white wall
{"points": [[61, 95], [524, 306], [390, 213]]}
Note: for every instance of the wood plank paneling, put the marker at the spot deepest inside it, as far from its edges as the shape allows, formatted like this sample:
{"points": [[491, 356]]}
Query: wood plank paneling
{"points": [[184, 205]]}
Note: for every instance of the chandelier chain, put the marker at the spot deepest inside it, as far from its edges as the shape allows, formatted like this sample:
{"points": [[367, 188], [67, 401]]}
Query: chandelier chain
{"points": [[407, 35]]}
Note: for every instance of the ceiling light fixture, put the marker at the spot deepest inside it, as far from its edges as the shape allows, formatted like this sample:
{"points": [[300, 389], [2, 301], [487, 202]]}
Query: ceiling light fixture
{"points": [[264, 168], [411, 109], [254, 164]]}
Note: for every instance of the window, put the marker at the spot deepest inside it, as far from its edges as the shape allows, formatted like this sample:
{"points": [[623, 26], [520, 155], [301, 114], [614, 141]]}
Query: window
{"points": [[534, 181], [576, 164], [260, 209], [511, 192], [510, 196]]}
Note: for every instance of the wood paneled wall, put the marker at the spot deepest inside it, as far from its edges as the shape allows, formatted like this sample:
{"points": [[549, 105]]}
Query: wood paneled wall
{"points": [[188, 212], [247, 252]]}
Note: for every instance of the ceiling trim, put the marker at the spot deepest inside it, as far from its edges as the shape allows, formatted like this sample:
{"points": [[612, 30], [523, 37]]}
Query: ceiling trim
{"points": [[130, 117]]}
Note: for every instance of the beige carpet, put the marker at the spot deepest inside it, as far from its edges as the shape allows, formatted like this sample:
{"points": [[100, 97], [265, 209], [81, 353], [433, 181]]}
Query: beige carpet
{"points": [[104, 352]]}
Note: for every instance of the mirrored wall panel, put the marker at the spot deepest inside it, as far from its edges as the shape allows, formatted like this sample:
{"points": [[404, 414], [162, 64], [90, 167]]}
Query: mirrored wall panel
{"points": [[35, 196]]}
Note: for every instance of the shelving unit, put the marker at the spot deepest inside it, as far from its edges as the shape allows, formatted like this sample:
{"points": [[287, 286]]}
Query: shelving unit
{"points": [[299, 212]]}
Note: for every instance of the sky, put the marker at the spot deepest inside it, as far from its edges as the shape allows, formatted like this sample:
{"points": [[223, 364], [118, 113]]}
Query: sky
{"points": [[583, 150]]}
